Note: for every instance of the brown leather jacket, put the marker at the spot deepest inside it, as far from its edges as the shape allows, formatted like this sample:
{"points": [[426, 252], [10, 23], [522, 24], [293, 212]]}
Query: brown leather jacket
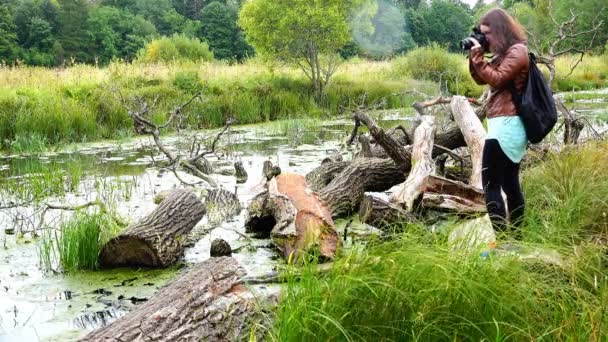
{"points": [[499, 73]]}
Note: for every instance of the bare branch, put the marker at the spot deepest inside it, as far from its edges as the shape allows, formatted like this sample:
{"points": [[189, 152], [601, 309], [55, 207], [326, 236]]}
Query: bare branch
{"points": [[178, 111], [229, 122], [420, 106]]}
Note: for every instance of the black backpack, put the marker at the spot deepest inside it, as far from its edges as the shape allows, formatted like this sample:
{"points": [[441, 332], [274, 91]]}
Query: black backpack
{"points": [[535, 106]]}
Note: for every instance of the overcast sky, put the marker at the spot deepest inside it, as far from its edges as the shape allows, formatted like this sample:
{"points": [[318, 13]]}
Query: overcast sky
{"points": [[472, 2]]}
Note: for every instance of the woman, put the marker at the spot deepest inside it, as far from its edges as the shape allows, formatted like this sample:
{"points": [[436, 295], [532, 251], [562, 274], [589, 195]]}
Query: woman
{"points": [[506, 141]]}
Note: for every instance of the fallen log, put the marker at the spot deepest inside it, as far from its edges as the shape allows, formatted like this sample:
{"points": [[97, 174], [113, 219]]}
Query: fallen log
{"points": [[381, 214], [294, 217], [345, 192], [156, 240], [206, 304], [318, 178]]}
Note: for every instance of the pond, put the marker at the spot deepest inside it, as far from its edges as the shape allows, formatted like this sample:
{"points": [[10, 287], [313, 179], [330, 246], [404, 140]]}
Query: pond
{"points": [[45, 305]]}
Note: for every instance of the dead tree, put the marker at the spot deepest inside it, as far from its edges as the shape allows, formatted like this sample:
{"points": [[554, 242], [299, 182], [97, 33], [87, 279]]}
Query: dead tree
{"points": [[566, 32], [195, 163]]}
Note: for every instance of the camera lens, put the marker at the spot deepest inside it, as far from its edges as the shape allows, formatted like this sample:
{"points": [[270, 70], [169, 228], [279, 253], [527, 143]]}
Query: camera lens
{"points": [[466, 44]]}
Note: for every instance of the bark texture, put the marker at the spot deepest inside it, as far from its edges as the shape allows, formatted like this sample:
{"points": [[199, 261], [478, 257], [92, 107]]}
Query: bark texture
{"points": [[206, 304], [156, 240], [381, 214]]}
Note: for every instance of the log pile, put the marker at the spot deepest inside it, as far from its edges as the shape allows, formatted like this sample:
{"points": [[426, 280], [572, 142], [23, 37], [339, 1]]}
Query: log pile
{"points": [[387, 159]]}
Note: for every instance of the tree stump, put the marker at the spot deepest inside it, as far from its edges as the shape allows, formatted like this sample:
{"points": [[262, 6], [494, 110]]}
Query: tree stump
{"points": [[206, 304], [294, 216], [241, 173], [156, 240]]}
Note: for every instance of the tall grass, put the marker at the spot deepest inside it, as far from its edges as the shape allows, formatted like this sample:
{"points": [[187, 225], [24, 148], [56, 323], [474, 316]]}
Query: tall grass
{"points": [[82, 103], [41, 107], [567, 196], [405, 290], [76, 244], [415, 288]]}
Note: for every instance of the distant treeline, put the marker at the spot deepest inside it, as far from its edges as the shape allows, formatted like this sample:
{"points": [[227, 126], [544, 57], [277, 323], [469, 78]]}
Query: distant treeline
{"points": [[60, 32]]}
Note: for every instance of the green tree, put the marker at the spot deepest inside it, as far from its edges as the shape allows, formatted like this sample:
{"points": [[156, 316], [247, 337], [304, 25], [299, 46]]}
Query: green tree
{"points": [[220, 30], [73, 37], [303, 32], [8, 37], [116, 33], [444, 21]]}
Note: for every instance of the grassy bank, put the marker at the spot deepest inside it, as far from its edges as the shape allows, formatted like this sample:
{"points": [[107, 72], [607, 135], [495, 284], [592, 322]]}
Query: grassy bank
{"points": [[40, 107], [415, 288]]}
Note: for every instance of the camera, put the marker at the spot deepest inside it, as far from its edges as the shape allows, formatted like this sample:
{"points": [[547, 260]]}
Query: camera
{"points": [[467, 43]]}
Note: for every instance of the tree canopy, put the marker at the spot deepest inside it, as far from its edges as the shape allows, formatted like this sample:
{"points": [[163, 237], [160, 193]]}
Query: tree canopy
{"points": [[59, 32]]}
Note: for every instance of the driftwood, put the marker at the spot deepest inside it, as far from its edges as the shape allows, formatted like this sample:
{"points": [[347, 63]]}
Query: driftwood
{"points": [[156, 240], [241, 173], [422, 164], [345, 192], [448, 195], [294, 217], [473, 132], [206, 304]]}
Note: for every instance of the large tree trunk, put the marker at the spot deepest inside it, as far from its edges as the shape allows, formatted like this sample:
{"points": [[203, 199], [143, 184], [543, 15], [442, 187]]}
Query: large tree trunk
{"points": [[297, 220], [318, 178], [346, 190], [206, 304], [156, 240]]}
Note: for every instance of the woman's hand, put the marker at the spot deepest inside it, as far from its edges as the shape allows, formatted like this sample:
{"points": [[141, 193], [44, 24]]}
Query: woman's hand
{"points": [[476, 44]]}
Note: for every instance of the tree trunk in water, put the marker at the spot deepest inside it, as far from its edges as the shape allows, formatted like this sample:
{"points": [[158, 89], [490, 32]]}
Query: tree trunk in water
{"points": [[422, 164], [206, 304], [156, 240]]}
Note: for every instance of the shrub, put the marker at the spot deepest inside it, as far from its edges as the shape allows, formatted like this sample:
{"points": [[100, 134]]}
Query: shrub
{"points": [[437, 64], [188, 81], [175, 48]]}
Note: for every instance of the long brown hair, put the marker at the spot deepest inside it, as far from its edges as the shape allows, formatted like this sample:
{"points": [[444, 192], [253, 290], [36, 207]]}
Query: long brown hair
{"points": [[505, 30]]}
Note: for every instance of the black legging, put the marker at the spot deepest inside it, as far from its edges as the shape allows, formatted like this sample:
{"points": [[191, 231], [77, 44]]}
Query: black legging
{"points": [[499, 172]]}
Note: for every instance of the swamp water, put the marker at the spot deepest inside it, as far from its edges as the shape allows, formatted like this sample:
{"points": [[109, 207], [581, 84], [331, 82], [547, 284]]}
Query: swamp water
{"points": [[45, 305]]}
